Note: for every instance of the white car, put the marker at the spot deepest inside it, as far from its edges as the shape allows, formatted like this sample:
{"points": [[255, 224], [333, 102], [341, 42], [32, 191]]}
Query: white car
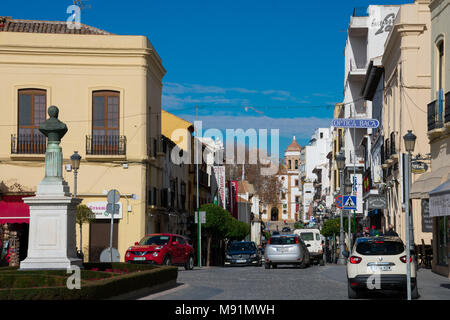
{"points": [[313, 238], [378, 263]]}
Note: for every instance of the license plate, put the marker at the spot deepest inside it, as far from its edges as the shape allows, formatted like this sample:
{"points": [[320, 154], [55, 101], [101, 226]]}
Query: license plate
{"points": [[241, 261], [380, 268], [139, 259], [282, 250]]}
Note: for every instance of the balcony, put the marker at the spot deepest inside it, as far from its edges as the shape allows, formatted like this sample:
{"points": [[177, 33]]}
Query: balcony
{"points": [[106, 145], [28, 144], [439, 115], [393, 149]]}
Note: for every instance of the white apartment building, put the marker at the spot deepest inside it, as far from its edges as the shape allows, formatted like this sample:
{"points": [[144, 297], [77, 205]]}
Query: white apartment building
{"points": [[366, 35], [315, 170]]}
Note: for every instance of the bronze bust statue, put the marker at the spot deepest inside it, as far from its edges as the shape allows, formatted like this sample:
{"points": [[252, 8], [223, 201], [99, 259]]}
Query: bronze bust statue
{"points": [[53, 128]]}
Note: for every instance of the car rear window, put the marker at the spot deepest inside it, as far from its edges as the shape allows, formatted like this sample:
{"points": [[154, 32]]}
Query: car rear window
{"points": [[283, 240], [307, 236], [374, 248], [154, 240]]}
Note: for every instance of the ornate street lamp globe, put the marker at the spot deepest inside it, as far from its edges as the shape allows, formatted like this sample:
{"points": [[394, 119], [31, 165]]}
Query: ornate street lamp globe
{"points": [[75, 159], [340, 161], [410, 141]]}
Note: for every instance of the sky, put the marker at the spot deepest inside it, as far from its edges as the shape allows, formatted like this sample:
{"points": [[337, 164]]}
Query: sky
{"points": [[260, 64]]}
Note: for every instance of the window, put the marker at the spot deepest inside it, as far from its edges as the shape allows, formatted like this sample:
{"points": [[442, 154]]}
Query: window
{"points": [[289, 164], [105, 121], [375, 248], [307, 236], [296, 164], [32, 105], [296, 182], [440, 64]]}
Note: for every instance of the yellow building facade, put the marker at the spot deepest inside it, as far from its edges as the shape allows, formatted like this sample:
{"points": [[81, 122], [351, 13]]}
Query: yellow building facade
{"points": [[108, 90], [406, 93]]}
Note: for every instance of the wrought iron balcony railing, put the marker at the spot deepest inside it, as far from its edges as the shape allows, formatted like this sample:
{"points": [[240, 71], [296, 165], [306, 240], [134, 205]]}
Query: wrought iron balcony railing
{"points": [[28, 143], [393, 149], [439, 111], [106, 145]]}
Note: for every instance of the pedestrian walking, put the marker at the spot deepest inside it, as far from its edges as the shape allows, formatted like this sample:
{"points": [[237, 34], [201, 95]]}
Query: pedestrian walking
{"points": [[391, 232]]}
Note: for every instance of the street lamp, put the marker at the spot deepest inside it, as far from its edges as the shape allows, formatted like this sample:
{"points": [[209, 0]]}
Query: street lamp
{"points": [[410, 141], [75, 159], [340, 163]]}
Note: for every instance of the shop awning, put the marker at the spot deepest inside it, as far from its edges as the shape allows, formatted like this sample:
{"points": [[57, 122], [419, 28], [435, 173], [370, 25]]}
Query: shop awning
{"points": [[429, 181], [14, 210], [440, 200]]}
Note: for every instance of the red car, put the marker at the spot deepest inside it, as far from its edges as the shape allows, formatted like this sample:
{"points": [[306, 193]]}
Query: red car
{"points": [[163, 249]]}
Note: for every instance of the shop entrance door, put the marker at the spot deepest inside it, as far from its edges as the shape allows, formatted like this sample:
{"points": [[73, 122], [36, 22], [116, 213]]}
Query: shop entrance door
{"points": [[99, 235]]}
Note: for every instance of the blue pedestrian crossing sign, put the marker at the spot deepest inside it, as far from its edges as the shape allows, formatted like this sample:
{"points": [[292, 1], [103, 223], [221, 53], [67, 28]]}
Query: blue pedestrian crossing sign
{"points": [[349, 203]]}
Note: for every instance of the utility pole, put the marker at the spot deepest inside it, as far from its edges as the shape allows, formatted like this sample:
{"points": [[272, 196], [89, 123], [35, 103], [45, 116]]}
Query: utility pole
{"points": [[199, 225]]}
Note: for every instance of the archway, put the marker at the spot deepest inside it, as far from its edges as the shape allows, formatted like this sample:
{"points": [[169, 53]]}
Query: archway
{"points": [[274, 214]]}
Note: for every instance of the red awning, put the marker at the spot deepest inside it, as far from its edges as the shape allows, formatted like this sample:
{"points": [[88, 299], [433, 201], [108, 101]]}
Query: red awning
{"points": [[14, 210]]}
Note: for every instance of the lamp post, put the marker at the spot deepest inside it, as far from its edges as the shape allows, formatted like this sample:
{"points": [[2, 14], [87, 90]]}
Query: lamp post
{"points": [[75, 159], [410, 141], [340, 163]]}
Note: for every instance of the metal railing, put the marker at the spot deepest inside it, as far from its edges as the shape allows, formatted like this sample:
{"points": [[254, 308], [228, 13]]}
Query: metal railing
{"points": [[106, 145], [393, 149], [28, 143], [439, 111]]}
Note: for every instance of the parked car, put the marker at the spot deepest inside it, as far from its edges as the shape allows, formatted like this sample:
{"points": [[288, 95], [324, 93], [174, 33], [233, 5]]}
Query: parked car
{"points": [[286, 229], [162, 249], [242, 253], [286, 249], [378, 263], [314, 239]]}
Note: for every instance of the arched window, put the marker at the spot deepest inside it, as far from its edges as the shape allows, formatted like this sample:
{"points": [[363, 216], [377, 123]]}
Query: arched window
{"points": [[440, 53], [31, 113]]}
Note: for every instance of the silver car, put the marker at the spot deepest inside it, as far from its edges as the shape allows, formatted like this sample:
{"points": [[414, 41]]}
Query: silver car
{"points": [[286, 249]]}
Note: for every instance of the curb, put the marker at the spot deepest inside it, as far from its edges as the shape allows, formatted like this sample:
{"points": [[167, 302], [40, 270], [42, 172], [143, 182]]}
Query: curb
{"points": [[141, 293]]}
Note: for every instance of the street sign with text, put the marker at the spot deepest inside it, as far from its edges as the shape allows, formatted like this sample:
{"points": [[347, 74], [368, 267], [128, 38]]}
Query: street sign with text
{"points": [[355, 123]]}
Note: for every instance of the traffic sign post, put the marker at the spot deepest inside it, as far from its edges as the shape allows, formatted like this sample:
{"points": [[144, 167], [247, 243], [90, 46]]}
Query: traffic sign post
{"points": [[111, 208], [349, 203], [338, 201]]}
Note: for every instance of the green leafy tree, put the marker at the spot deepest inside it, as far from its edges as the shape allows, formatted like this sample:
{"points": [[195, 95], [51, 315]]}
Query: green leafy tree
{"points": [[330, 227], [84, 215], [298, 225], [216, 226], [237, 230]]}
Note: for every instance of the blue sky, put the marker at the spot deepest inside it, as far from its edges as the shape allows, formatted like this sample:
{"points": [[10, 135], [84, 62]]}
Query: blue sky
{"points": [[284, 58]]}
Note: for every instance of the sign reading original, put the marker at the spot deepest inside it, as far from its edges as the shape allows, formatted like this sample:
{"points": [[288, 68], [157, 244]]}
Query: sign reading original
{"points": [[99, 209]]}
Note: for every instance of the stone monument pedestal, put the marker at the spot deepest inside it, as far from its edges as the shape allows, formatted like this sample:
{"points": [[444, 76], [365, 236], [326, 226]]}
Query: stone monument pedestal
{"points": [[52, 243]]}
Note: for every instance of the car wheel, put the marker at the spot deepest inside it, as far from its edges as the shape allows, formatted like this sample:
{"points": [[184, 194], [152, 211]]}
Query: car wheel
{"points": [[267, 265], [167, 261], [321, 262], [189, 263], [274, 266], [352, 293]]}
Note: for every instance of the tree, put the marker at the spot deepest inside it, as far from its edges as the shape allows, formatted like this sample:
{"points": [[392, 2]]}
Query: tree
{"points": [[217, 222], [237, 230], [331, 227], [267, 187], [84, 215]]}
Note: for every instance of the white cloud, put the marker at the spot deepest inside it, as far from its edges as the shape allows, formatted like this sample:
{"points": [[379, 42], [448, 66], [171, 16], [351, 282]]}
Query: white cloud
{"points": [[301, 127]]}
